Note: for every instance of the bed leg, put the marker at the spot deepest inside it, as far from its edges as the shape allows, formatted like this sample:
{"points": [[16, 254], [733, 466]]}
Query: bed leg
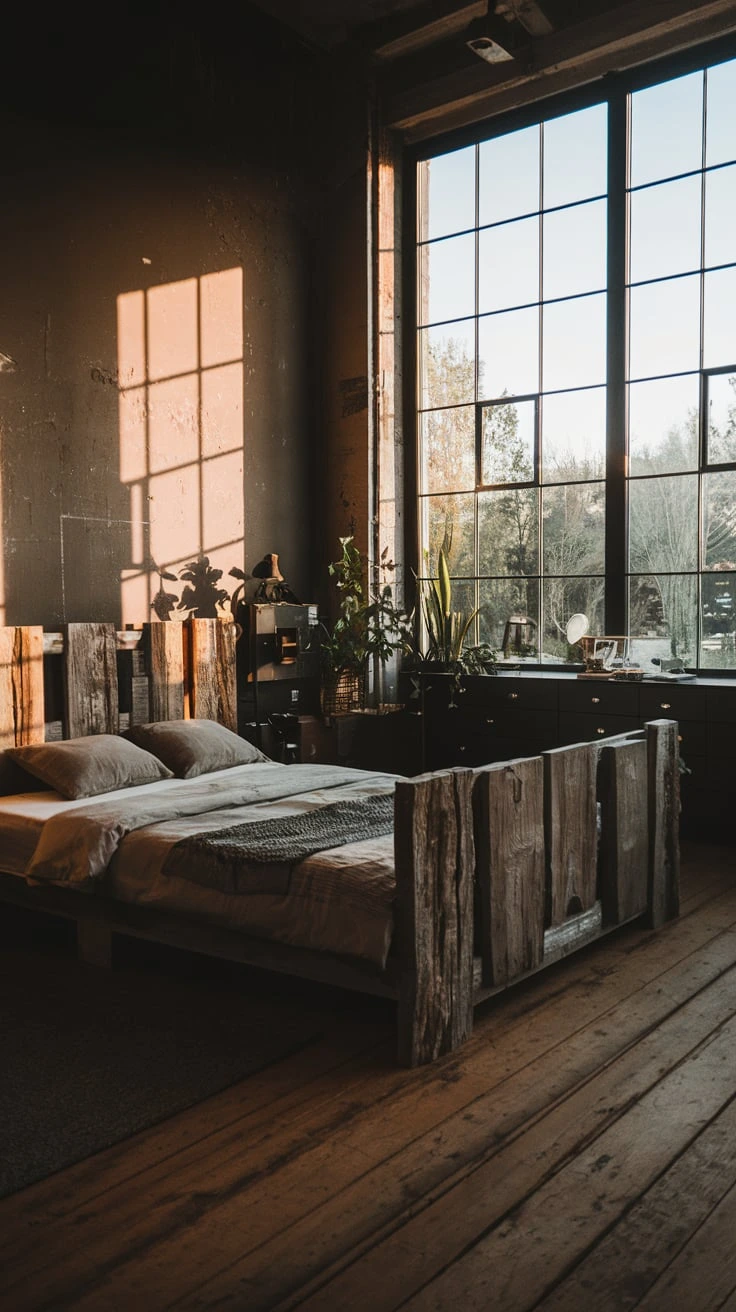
{"points": [[664, 821], [94, 943], [434, 914]]}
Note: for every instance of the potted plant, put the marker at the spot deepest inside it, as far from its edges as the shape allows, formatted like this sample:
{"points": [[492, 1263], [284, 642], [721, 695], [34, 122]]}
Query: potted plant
{"points": [[369, 626], [442, 646]]}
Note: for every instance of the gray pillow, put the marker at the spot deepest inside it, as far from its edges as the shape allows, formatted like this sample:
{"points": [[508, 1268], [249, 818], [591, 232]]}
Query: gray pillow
{"points": [[15, 780], [194, 747], [85, 767]]}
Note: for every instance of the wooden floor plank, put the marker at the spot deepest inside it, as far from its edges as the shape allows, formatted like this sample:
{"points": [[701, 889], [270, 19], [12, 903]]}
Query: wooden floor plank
{"points": [[335, 1180], [703, 1274], [620, 1270], [433, 1236], [562, 1218], [341, 1162]]}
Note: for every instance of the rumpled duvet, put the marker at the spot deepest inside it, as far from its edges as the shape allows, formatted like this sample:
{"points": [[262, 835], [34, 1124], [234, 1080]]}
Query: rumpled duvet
{"points": [[337, 899]]}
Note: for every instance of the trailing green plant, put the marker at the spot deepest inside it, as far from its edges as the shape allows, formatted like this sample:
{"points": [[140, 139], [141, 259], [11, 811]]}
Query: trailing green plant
{"points": [[369, 623]]}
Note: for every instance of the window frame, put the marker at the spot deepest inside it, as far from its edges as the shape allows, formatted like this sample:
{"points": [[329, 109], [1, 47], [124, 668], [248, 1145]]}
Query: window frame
{"points": [[614, 90]]}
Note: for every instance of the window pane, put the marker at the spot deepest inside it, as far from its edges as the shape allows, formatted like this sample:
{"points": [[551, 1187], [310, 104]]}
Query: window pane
{"points": [[450, 519], [720, 207], [574, 352], [663, 425], [720, 137], [446, 190], [562, 598], [509, 176], [508, 260], [507, 443], [575, 250], [508, 532], [658, 153], [665, 229], [719, 328], [573, 519], [448, 450], [665, 328], [499, 599], [719, 521], [721, 418], [446, 279], [663, 523], [575, 156], [447, 364], [718, 621], [574, 436], [508, 349], [665, 606]]}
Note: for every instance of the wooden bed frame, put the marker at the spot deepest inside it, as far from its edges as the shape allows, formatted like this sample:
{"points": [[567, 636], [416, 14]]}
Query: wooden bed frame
{"points": [[500, 870]]}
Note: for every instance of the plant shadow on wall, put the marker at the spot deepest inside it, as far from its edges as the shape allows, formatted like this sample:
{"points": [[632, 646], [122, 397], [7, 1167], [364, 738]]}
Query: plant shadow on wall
{"points": [[201, 596]]}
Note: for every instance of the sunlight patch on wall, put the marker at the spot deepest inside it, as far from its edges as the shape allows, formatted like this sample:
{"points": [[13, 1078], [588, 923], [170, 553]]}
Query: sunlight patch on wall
{"points": [[180, 369]]}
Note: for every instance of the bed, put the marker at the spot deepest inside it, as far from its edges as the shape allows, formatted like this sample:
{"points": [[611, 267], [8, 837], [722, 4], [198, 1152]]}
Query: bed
{"points": [[436, 891]]}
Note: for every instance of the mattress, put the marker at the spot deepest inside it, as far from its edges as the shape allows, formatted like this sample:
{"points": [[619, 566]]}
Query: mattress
{"points": [[338, 900]]}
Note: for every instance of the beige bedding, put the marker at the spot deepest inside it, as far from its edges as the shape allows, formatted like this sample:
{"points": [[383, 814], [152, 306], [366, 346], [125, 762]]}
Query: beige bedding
{"points": [[339, 900]]}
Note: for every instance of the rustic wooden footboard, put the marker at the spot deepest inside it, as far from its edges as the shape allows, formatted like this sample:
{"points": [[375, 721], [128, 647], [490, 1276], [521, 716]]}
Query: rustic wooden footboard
{"points": [[500, 871], [505, 869]]}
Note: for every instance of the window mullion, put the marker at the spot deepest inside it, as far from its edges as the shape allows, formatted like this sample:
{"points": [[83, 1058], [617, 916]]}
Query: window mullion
{"points": [[617, 338]]}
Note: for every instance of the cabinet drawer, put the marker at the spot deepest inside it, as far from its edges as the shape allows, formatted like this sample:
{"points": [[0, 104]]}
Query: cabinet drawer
{"points": [[721, 704], [674, 702], [520, 694], [579, 728], [599, 697], [721, 740], [692, 739]]}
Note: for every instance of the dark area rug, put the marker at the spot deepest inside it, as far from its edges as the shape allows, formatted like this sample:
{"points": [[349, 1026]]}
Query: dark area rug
{"points": [[89, 1056]]}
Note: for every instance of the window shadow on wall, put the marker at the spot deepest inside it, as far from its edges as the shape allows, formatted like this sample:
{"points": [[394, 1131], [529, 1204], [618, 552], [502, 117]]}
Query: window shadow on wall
{"points": [[180, 380]]}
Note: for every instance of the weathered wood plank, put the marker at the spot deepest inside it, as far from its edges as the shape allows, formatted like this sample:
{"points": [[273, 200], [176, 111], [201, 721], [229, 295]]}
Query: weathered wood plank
{"points": [[624, 848], [664, 820], [433, 837], [213, 693], [21, 686], [90, 680], [508, 807], [571, 830], [165, 644]]}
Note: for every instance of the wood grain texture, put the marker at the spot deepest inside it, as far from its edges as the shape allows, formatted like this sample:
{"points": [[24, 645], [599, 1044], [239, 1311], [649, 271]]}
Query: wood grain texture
{"points": [[434, 914], [90, 680], [571, 830], [21, 686], [165, 648], [664, 821], [508, 806], [212, 683], [624, 847]]}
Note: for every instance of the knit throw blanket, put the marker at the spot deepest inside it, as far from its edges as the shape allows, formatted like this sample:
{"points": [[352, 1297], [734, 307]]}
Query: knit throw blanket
{"points": [[258, 857]]}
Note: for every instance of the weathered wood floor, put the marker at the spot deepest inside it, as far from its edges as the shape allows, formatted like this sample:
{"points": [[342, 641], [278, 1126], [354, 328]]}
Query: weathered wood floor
{"points": [[578, 1154]]}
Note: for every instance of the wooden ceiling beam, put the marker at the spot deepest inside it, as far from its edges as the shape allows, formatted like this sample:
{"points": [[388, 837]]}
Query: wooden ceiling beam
{"points": [[442, 26], [528, 13], [630, 34]]}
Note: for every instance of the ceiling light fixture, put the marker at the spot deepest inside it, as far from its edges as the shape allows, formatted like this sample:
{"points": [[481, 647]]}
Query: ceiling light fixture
{"points": [[486, 48]]}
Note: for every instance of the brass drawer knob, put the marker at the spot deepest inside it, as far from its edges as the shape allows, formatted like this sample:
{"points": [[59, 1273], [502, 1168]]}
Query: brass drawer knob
{"points": [[600, 731], [489, 720], [664, 706], [595, 700], [513, 696]]}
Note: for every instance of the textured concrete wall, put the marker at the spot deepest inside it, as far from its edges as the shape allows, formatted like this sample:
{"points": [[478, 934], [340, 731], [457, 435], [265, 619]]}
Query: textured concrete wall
{"points": [[156, 366]]}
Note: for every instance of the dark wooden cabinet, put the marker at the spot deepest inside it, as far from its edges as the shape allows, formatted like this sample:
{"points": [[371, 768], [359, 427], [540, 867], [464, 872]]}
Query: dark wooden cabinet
{"points": [[494, 718]]}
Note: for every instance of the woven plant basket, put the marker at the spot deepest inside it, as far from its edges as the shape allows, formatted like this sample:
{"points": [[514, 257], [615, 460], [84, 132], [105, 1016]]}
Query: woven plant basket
{"points": [[344, 692]]}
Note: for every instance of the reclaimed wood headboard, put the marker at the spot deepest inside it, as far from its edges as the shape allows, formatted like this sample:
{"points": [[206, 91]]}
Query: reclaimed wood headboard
{"points": [[176, 670]]}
